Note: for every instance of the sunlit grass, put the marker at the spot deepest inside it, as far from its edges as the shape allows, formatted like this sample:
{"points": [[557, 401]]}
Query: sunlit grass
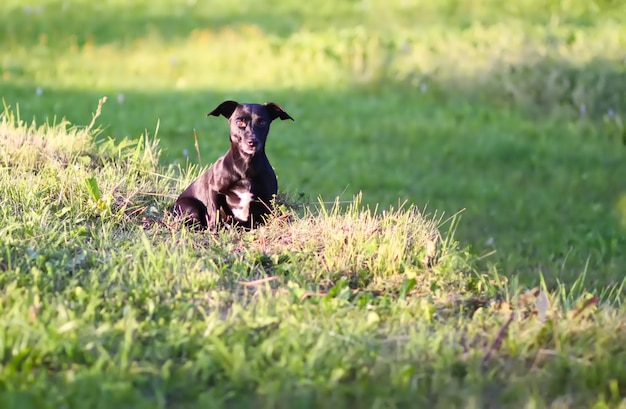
{"points": [[216, 54]]}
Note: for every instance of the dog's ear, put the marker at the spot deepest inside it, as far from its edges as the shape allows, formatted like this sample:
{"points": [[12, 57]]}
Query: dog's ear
{"points": [[276, 111], [226, 109]]}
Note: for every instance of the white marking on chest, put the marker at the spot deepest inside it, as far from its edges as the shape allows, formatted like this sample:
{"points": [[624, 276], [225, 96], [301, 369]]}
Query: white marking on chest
{"points": [[241, 210]]}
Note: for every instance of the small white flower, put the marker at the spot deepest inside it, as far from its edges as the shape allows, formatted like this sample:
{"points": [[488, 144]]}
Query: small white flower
{"points": [[611, 113], [120, 98], [173, 60], [583, 109], [489, 241], [424, 88], [185, 153], [28, 10], [39, 91]]}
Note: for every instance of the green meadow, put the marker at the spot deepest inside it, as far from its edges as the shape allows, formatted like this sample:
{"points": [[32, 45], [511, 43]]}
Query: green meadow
{"points": [[487, 137]]}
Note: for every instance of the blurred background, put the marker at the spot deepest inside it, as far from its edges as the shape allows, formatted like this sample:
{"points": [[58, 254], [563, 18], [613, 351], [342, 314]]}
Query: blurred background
{"points": [[511, 113]]}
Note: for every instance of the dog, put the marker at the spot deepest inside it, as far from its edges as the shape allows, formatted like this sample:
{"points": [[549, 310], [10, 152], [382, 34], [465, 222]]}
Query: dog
{"points": [[240, 186]]}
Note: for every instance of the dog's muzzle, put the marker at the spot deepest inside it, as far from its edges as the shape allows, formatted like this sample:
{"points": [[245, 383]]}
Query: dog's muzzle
{"points": [[251, 145]]}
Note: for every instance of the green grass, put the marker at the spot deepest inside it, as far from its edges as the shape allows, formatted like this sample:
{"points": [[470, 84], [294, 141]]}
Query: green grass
{"points": [[501, 126], [107, 303]]}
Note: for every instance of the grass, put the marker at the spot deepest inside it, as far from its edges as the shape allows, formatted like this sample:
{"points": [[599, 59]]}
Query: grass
{"points": [[107, 303], [500, 126]]}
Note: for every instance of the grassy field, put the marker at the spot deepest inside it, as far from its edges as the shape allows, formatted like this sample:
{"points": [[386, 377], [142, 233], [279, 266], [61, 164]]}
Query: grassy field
{"points": [[500, 125]]}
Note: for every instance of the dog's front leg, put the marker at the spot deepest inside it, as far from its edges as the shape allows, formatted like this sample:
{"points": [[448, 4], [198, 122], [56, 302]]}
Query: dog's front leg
{"points": [[213, 217]]}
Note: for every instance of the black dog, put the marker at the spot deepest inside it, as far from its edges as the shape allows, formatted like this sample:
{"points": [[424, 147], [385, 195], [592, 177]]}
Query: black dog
{"points": [[239, 186]]}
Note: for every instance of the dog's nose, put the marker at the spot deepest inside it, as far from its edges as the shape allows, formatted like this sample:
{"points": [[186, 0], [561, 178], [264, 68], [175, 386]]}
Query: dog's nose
{"points": [[252, 143]]}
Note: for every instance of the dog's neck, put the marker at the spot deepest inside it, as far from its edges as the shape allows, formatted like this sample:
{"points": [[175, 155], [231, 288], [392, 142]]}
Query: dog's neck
{"points": [[247, 164]]}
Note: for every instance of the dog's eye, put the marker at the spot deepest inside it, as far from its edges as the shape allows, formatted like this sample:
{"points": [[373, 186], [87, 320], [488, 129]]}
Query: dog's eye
{"points": [[240, 123], [261, 122]]}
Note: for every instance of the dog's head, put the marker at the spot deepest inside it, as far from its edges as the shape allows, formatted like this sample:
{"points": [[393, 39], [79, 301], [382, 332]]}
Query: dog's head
{"points": [[249, 123]]}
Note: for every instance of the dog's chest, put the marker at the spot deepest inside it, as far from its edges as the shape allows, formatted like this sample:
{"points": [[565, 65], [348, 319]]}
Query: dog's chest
{"points": [[239, 200]]}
